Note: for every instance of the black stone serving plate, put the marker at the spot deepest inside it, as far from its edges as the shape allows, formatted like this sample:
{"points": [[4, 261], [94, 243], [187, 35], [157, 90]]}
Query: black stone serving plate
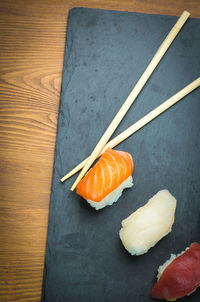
{"points": [[106, 53]]}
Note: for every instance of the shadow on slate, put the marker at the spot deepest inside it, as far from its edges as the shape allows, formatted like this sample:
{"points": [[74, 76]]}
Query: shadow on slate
{"points": [[106, 53]]}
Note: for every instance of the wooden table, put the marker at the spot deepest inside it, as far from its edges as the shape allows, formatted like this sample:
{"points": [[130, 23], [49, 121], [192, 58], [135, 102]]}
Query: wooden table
{"points": [[32, 40]]}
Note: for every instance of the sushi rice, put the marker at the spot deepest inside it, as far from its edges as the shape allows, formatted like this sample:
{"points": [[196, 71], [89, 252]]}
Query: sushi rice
{"points": [[113, 196]]}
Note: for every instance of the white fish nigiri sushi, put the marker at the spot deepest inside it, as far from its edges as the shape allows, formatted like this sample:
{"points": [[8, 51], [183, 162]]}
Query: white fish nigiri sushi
{"points": [[148, 224], [104, 183]]}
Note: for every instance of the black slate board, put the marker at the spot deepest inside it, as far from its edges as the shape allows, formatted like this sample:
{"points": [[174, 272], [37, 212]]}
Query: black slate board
{"points": [[106, 53]]}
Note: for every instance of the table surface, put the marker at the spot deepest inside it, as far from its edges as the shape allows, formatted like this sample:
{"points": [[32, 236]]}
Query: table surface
{"points": [[32, 40]]}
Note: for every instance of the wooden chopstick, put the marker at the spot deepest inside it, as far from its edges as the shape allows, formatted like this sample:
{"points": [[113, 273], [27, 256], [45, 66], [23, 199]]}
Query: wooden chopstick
{"points": [[132, 96], [142, 122]]}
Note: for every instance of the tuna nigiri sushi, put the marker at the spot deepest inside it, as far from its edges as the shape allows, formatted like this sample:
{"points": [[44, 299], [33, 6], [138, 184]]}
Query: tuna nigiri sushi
{"points": [[146, 226], [179, 276], [104, 183]]}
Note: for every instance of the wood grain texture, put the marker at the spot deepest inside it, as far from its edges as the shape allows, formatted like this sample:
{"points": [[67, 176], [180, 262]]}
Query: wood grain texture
{"points": [[32, 39]]}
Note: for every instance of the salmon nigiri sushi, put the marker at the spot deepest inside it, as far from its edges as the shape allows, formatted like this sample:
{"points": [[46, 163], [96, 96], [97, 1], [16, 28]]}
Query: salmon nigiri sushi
{"points": [[104, 183], [179, 276]]}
